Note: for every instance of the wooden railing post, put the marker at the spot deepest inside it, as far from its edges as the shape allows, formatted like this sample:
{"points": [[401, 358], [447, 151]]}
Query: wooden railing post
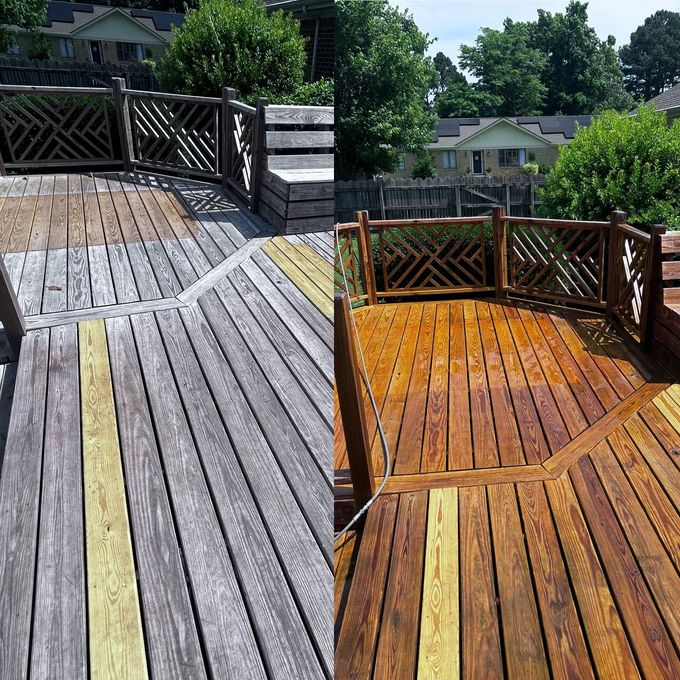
{"points": [[124, 125], [10, 312], [651, 286], [500, 251], [226, 128], [613, 263], [348, 386], [366, 254], [259, 140]]}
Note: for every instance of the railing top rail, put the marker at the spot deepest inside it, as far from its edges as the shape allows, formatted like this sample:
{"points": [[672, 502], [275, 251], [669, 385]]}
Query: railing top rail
{"points": [[576, 224], [635, 233], [348, 226], [41, 89], [146, 94], [430, 221], [240, 106]]}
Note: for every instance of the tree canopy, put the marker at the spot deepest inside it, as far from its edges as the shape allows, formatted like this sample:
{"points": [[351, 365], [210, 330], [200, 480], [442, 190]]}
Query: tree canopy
{"points": [[28, 14], [236, 44], [651, 61], [619, 162], [382, 79]]}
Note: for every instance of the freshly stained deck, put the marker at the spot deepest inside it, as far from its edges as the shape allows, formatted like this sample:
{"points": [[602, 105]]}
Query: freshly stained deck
{"points": [[495, 388], [565, 565], [166, 489]]}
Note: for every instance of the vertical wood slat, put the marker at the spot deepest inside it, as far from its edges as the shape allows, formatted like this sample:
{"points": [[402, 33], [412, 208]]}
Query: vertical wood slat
{"points": [[348, 385], [650, 286], [124, 125], [366, 255], [257, 153], [618, 217], [500, 251], [228, 94]]}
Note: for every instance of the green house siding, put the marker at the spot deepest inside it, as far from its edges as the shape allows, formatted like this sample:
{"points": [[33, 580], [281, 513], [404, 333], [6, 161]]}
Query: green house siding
{"points": [[503, 135], [117, 27]]}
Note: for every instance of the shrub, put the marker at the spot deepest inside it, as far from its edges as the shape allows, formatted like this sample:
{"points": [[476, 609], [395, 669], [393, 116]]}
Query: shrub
{"points": [[620, 162], [423, 168], [235, 44], [530, 168], [318, 93], [40, 46]]}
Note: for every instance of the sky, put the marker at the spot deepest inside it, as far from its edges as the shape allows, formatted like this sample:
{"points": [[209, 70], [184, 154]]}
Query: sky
{"points": [[457, 22]]}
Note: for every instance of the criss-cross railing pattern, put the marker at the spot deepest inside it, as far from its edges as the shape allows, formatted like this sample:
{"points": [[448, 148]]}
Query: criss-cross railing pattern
{"points": [[175, 132], [240, 131], [434, 255], [57, 127], [347, 253], [557, 259]]}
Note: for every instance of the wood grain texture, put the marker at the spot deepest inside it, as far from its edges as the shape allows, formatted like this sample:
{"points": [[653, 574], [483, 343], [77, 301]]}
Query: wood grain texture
{"points": [[439, 648], [115, 627]]}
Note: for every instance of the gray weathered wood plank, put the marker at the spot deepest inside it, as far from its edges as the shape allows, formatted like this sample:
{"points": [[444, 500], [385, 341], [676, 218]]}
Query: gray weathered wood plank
{"points": [[54, 294], [79, 292]]}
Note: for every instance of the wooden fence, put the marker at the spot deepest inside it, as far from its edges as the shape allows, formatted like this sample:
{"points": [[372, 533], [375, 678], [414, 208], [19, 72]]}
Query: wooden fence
{"points": [[392, 199], [54, 73]]}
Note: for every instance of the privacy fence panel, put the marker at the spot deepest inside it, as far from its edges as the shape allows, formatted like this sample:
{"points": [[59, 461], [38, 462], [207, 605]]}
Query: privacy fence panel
{"points": [[53, 127]]}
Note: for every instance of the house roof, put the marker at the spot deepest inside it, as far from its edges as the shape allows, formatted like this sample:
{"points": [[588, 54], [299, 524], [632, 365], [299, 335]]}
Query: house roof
{"points": [[69, 18], [452, 132], [670, 99]]}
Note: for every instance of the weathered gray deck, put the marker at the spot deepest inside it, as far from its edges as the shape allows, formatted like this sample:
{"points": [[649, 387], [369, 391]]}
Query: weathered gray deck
{"points": [[220, 421]]}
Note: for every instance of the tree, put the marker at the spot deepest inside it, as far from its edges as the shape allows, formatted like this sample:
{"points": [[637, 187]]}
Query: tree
{"points": [[29, 14], [581, 72], [462, 100], [423, 168], [507, 68], [382, 81], [229, 43], [651, 62], [620, 162], [448, 72], [40, 46]]}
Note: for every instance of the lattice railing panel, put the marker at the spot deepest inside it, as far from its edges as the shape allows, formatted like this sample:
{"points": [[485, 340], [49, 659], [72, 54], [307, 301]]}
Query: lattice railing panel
{"points": [[347, 252], [54, 129], [176, 134], [241, 128], [433, 257], [564, 263], [630, 263]]}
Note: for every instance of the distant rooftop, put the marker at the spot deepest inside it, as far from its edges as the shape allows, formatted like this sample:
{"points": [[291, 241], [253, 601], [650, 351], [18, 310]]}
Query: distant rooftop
{"points": [[670, 99]]}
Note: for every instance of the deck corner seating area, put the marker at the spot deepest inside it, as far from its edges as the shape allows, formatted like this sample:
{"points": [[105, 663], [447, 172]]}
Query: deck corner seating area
{"points": [[276, 158], [525, 373]]}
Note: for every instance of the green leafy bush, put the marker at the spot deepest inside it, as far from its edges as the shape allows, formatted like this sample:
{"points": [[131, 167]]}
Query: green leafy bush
{"points": [[225, 43], [620, 162], [318, 93], [423, 167], [530, 168]]}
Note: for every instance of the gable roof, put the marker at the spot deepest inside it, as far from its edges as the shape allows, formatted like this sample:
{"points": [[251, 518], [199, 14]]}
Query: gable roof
{"points": [[670, 99], [453, 132]]}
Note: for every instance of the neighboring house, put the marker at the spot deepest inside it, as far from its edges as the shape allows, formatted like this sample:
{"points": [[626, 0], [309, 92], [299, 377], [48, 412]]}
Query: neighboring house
{"points": [[100, 34], [317, 19], [668, 101], [495, 146]]}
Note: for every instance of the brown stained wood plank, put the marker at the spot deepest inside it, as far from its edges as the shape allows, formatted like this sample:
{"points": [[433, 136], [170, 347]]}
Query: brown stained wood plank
{"points": [[533, 440], [522, 641], [660, 574], [171, 634], [553, 425], [653, 647], [481, 645], [116, 639], [567, 649], [483, 435], [659, 457], [555, 325], [460, 429], [459, 478], [411, 438], [587, 439], [19, 505], [511, 451], [15, 239], [660, 510], [396, 653], [569, 406], [587, 398], [668, 406], [355, 651], [121, 268], [393, 408], [79, 294], [435, 435], [439, 647], [606, 636], [344, 559], [59, 643]]}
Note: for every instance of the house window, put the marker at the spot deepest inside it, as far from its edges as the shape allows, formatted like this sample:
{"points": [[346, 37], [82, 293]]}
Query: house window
{"points": [[66, 48], [130, 52], [449, 160], [511, 158], [401, 162], [14, 48]]}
